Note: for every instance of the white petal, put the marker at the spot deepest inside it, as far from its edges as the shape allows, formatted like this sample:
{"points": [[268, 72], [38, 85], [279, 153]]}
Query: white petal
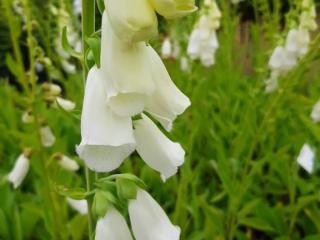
{"points": [[125, 72], [132, 20], [19, 171], [315, 114], [112, 226], [159, 152], [27, 117], [282, 60], [194, 44], [66, 104], [168, 101], [68, 163], [174, 8], [107, 139], [272, 82], [47, 137], [149, 221], [298, 41], [81, 206], [166, 48], [184, 64], [306, 158]]}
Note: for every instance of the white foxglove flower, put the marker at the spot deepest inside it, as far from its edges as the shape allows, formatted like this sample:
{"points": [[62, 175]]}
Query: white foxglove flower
{"points": [[52, 89], [166, 48], [272, 82], [68, 67], [47, 137], [112, 226], [65, 104], [168, 101], [159, 152], [107, 139], [281, 60], [308, 19], [127, 77], [297, 42], [149, 221], [315, 114], [306, 158], [194, 44], [81, 206], [27, 117], [184, 64], [174, 8], [132, 20], [19, 171], [68, 163]]}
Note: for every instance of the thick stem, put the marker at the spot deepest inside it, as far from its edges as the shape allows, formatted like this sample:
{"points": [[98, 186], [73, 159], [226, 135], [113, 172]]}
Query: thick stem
{"points": [[88, 27]]}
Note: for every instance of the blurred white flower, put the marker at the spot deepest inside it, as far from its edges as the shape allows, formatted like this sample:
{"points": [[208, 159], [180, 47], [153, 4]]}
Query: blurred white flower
{"points": [[39, 67], [77, 6], [168, 101], [47, 137], [81, 206], [132, 20], [203, 41], [297, 42], [68, 67], [128, 80], [19, 171], [112, 226], [315, 114], [68, 163], [149, 221], [272, 82], [27, 117], [159, 152], [174, 8], [184, 64], [306, 158], [51, 89], [308, 19], [107, 139], [67, 105], [166, 48], [282, 61]]}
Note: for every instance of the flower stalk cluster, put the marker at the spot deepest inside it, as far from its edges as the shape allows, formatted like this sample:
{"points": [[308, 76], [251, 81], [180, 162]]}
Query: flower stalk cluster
{"points": [[286, 56], [203, 41]]}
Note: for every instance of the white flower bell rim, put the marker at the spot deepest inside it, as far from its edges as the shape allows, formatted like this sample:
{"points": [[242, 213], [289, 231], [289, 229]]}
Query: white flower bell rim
{"points": [[149, 221], [107, 139], [158, 151], [112, 226]]}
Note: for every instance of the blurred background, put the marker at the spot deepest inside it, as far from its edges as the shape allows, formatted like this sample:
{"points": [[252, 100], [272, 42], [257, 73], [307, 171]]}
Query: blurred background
{"points": [[244, 177]]}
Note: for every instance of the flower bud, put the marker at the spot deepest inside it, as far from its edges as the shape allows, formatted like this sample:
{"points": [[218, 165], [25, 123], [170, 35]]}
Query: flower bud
{"points": [[19, 171], [174, 8], [132, 20]]}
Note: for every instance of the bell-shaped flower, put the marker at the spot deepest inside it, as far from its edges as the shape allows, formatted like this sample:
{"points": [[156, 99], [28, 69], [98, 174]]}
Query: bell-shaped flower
{"points": [[159, 152], [149, 221], [308, 19], [19, 171], [112, 226], [126, 75], [47, 137], [167, 102], [166, 48], [132, 20], [297, 42], [107, 139], [81, 206], [51, 89], [68, 163], [306, 158], [315, 114], [281, 60], [174, 8], [272, 82], [66, 104], [27, 117], [194, 46]]}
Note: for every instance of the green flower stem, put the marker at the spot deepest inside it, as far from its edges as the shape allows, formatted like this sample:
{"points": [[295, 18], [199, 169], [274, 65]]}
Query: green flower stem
{"points": [[88, 27]]}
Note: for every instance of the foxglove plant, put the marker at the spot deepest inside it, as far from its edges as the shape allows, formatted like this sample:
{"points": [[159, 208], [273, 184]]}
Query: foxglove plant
{"points": [[285, 57], [128, 82]]}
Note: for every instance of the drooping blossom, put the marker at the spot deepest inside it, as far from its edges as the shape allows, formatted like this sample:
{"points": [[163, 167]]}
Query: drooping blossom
{"points": [[47, 137], [166, 48], [68, 164], [65, 104], [81, 206], [19, 171], [306, 158]]}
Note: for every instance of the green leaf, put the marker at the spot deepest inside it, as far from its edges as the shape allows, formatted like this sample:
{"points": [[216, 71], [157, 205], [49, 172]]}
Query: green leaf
{"points": [[74, 193], [100, 4], [12, 65], [256, 223], [127, 176], [67, 47], [101, 202], [95, 46]]}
